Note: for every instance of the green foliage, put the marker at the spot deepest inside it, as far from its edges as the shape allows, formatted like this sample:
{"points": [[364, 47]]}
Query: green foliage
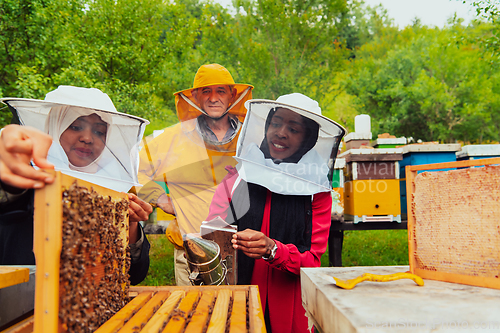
{"points": [[287, 46], [364, 23], [124, 48], [490, 11], [430, 85]]}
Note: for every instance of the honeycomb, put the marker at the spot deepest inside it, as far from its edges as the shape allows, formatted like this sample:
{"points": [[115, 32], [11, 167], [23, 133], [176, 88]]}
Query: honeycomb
{"points": [[94, 259], [457, 227]]}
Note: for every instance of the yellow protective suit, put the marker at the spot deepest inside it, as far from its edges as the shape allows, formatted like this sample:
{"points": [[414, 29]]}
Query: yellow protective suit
{"points": [[192, 173], [191, 167]]}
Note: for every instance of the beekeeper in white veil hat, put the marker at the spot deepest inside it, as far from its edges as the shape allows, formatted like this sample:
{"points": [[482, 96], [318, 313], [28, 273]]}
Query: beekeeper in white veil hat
{"points": [[278, 195], [91, 139]]}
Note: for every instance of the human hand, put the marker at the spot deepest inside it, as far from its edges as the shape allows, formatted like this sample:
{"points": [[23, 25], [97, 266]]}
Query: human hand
{"points": [[253, 243], [138, 210], [165, 203], [18, 146]]}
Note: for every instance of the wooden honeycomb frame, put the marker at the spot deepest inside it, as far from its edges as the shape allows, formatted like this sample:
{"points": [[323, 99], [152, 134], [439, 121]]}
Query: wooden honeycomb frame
{"points": [[48, 243], [455, 268]]}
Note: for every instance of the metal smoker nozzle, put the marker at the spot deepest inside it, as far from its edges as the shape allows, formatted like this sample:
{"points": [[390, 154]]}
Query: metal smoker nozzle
{"points": [[199, 250], [203, 257]]}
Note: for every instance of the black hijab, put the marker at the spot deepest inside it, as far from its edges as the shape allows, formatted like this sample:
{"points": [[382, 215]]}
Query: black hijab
{"points": [[311, 137]]}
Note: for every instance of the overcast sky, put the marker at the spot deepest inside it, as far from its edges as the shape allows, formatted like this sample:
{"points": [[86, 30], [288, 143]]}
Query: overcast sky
{"points": [[430, 12]]}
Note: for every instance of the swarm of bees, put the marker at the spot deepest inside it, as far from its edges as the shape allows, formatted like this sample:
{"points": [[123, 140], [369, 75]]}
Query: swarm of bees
{"points": [[95, 259]]}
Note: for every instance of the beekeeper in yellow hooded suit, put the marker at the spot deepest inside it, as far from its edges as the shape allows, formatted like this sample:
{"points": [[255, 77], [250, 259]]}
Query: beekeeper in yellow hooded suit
{"points": [[191, 156]]}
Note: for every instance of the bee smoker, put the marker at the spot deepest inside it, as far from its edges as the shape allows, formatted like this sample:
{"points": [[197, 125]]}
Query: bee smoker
{"points": [[204, 261]]}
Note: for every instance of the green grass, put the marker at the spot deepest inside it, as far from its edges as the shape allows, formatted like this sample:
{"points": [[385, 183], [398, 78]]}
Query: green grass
{"points": [[361, 248], [375, 248], [161, 268]]}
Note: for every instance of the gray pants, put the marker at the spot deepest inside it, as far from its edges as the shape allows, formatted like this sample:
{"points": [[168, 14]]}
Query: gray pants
{"points": [[181, 268]]}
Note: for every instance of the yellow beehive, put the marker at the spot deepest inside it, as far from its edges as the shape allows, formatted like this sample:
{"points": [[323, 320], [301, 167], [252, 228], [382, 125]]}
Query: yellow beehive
{"points": [[453, 222], [372, 197]]}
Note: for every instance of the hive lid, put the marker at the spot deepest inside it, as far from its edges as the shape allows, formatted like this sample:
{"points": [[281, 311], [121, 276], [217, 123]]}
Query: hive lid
{"points": [[390, 141], [358, 136], [445, 147], [372, 155], [479, 150]]}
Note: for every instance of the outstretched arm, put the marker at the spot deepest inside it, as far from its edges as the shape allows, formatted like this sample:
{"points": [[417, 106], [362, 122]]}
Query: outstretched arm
{"points": [[18, 146]]}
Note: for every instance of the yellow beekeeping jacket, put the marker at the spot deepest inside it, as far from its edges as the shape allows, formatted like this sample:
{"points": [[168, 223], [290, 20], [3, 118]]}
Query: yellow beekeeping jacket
{"points": [[191, 172]]}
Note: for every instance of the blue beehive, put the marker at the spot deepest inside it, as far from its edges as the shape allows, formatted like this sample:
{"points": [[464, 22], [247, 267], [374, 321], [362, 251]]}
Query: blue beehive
{"points": [[419, 154]]}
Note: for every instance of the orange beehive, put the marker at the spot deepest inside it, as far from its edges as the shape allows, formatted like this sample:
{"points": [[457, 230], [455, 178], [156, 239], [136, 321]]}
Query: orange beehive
{"points": [[453, 222]]}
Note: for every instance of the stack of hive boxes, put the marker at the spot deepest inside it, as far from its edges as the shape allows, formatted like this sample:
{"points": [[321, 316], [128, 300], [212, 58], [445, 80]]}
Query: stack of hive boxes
{"points": [[371, 189], [371, 175]]}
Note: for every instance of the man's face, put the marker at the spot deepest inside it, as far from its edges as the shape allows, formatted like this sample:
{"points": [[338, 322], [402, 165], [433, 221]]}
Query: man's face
{"points": [[214, 100]]}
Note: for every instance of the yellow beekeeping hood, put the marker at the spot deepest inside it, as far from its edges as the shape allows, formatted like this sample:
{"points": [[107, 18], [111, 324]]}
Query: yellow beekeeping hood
{"points": [[210, 75]]}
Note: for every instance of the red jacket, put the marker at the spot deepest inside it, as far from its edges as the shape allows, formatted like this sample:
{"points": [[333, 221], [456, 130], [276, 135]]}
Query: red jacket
{"points": [[279, 280]]}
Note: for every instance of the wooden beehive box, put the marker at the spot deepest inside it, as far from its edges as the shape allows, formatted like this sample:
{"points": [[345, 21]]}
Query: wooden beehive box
{"points": [[369, 164], [453, 222], [193, 309], [81, 251], [371, 188]]}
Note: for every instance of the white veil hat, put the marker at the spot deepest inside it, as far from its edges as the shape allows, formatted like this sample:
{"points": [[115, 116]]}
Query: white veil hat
{"points": [[118, 164], [306, 177]]}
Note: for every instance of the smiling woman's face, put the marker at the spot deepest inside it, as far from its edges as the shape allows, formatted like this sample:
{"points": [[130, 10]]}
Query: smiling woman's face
{"points": [[84, 140], [285, 134]]}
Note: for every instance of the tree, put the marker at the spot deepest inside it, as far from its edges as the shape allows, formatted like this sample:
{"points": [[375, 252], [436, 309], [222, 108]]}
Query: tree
{"points": [[30, 50], [430, 87], [284, 43], [122, 47]]}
